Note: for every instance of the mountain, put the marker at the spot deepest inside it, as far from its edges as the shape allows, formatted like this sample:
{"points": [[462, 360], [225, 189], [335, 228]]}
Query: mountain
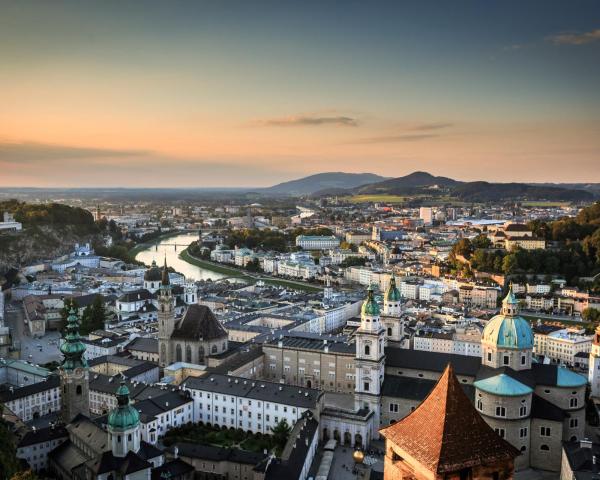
{"points": [[408, 184], [423, 183], [323, 181]]}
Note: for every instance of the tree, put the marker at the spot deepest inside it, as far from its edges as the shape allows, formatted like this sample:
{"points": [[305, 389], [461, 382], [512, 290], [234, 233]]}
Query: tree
{"points": [[281, 433], [510, 264], [24, 475], [94, 316], [9, 464], [253, 265], [591, 315], [463, 247], [353, 261], [481, 241]]}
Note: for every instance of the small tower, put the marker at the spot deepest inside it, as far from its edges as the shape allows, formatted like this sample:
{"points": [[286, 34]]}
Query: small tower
{"points": [[392, 310], [74, 372], [327, 292], [594, 366], [507, 339], [123, 425], [166, 317], [190, 294], [369, 361]]}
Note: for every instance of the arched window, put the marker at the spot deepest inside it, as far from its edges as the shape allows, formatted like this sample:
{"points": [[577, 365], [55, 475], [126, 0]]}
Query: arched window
{"points": [[367, 350], [213, 349], [188, 354], [545, 448], [178, 353], [389, 331], [224, 346], [163, 352], [78, 390], [200, 353]]}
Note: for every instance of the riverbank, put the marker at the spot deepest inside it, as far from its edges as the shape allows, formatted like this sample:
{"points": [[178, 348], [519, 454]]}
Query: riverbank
{"points": [[246, 276]]}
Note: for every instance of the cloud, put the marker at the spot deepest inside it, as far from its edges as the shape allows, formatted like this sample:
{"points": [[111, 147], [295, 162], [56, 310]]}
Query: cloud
{"points": [[307, 120], [575, 38], [33, 152], [432, 126], [394, 138]]}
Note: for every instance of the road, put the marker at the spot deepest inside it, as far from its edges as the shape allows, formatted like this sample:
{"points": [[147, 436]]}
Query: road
{"points": [[546, 316]]}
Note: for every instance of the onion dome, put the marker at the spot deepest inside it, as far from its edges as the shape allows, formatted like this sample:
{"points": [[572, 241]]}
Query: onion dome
{"points": [[72, 347], [153, 274], [370, 306], [508, 329], [124, 417], [392, 294]]}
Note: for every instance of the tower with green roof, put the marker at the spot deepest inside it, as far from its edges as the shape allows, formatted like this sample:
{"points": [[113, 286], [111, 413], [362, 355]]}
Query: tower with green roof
{"points": [[74, 372], [123, 425], [392, 310], [369, 360]]}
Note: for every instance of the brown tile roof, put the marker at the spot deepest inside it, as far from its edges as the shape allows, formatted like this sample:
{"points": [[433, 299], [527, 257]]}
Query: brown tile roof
{"points": [[445, 433]]}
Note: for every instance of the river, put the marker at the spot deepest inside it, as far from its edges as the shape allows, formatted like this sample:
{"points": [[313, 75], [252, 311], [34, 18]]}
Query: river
{"points": [[191, 272]]}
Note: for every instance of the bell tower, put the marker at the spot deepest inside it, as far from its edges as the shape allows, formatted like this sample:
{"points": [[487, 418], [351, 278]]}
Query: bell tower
{"points": [[369, 360], [123, 425], [74, 372], [166, 318]]}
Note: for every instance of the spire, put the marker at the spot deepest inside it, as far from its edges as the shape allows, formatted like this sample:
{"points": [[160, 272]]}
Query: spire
{"points": [[165, 274], [446, 434], [510, 304], [73, 348], [392, 294]]}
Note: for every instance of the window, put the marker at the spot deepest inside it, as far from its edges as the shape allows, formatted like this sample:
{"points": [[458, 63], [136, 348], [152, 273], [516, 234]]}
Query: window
{"points": [[545, 448], [394, 407], [545, 432], [523, 432], [389, 332], [573, 422], [367, 350], [573, 402], [500, 432], [523, 359], [366, 385], [479, 405], [523, 410], [500, 411], [489, 356], [506, 360]]}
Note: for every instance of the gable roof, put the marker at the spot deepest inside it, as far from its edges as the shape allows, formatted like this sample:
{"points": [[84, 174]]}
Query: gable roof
{"points": [[199, 323], [445, 433]]}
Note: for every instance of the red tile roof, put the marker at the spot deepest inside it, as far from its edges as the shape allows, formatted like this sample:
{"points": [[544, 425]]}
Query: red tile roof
{"points": [[445, 433]]}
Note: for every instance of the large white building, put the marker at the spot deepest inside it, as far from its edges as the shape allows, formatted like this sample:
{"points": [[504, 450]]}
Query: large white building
{"points": [[562, 345], [317, 242], [252, 405]]}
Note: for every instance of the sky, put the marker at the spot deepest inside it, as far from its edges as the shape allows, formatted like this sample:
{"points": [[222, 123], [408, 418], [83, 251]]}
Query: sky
{"points": [[209, 93]]}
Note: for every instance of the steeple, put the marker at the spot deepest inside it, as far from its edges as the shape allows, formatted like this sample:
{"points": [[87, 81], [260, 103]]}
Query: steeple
{"points": [[165, 282], [74, 373], [124, 424], [72, 347], [391, 299], [510, 304]]}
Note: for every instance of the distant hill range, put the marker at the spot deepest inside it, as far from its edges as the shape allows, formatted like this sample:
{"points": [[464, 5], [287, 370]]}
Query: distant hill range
{"points": [[423, 183], [330, 181]]}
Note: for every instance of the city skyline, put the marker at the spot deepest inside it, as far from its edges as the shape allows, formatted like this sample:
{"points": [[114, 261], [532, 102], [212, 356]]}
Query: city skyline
{"points": [[240, 94]]}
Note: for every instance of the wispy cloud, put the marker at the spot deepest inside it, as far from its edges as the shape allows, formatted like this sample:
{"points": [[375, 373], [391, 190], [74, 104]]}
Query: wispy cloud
{"points": [[432, 126], [408, 137], [570, 38], [307, 120], [32, 152]]}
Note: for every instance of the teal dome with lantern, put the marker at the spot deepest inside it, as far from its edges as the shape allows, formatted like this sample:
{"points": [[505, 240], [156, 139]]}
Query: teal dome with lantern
{"points": [[508, 329], [125, 416], [370, 306], [392, 294], [72, 347]]}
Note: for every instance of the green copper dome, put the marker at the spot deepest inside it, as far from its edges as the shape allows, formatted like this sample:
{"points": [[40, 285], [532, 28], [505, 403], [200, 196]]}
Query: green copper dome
{"points": [[508, 329], [370, 306], [124, 417], [392, 294], [72, 347]]}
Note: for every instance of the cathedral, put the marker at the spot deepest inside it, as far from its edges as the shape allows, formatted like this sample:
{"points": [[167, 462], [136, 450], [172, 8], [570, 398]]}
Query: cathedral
{"points": [[193, 337]]}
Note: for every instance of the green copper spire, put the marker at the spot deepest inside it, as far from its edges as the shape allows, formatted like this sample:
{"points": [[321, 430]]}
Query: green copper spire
{"points": [[73, 348], [392, 294], [370, 306], [124, 417]]}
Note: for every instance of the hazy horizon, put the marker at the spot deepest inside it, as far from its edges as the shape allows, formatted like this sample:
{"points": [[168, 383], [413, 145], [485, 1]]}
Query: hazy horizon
{"points": [[199, 94]]}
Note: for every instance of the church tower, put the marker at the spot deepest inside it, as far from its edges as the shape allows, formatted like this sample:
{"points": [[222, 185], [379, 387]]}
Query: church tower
{"points": [[392, 309], [190, 294], [74, 372], [369, 361], [123, 425], [594, 366], [166, 318]]}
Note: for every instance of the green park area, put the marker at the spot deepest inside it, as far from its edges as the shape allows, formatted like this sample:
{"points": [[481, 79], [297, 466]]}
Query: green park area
{"points": [[230, 438]]}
